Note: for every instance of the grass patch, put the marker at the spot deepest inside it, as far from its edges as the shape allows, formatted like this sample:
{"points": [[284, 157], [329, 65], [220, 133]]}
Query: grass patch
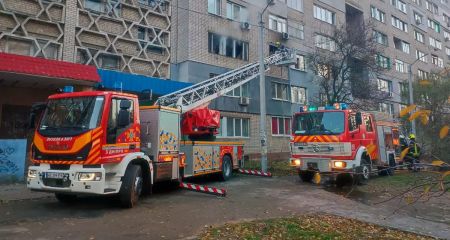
{"points": [[402, 180], [306, 227], [277, 168]]}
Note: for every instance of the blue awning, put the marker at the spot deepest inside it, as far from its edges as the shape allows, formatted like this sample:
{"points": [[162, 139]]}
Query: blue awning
{"points": [[137, 83]]}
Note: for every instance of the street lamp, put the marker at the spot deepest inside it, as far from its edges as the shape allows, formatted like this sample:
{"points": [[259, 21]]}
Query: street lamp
{"points": [[410, 89], [262, 91]]}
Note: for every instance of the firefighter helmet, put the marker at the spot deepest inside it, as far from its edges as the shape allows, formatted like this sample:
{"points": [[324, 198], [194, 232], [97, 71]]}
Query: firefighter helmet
{"points": [[412, 136]]}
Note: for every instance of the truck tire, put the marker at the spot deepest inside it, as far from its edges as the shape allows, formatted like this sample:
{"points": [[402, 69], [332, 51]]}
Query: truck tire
{"points": [[227, 168], [65, 198], [363, 172], [306, 176], [131, 187]]}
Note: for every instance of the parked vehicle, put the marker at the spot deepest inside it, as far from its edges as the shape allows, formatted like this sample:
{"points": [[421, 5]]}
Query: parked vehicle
{"points": [[340, 143], [104, 143]]}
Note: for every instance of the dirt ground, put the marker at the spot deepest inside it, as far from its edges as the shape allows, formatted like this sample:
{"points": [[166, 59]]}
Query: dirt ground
{"points": [[180, 214]]}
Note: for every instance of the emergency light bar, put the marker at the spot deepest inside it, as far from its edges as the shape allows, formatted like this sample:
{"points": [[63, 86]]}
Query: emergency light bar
{"points": [[336, 106]]}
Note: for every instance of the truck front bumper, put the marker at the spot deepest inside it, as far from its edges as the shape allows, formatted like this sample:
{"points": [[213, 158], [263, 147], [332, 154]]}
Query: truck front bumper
{"points": [[75, 180], [324, 165]]}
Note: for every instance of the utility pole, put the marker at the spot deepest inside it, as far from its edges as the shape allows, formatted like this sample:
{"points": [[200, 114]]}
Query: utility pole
{"points": [[262, 92], [411, 99]]}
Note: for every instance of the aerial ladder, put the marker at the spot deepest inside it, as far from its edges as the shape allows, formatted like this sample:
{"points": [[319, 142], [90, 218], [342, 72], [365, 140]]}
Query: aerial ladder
{"points": [[204, 92]]}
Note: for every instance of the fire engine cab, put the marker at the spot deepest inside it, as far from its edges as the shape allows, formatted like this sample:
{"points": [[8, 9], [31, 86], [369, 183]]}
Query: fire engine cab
{"points": [[338, 142]]}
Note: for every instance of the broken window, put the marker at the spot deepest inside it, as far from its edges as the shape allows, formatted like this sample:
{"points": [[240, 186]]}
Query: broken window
{"points": [[227, 46]]}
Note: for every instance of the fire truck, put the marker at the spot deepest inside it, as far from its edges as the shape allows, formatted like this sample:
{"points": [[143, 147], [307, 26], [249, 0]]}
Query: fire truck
{"points": [[342, 144], [104, 143]]}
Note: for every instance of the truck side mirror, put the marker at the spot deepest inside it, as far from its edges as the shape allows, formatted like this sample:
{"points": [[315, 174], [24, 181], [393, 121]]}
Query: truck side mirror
{"points": [[31, 120], [36, 110], [358, 118]]}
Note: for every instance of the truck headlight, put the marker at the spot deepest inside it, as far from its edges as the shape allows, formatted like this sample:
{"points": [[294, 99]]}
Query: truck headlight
{"points": [[340, 164], [94, 176], [32, 173], [296, 162]]}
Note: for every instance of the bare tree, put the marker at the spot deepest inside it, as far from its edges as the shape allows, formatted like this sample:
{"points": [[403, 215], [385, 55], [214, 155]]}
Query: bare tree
{"points": [[345, 71]]}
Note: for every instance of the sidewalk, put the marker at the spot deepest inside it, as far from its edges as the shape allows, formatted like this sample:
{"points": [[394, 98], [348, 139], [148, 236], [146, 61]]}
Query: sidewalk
{"points": [[19, 191]]}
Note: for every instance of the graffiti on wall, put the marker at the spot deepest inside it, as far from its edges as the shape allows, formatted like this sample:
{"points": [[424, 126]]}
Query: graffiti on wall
{"points": [[12, 158]]}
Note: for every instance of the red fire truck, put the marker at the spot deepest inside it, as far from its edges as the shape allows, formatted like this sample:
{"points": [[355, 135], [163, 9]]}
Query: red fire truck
{"points": [[339, 143], [104, 143]]}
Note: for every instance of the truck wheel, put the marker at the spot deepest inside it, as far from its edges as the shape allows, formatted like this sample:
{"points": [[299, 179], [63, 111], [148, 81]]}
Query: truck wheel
{"points": [[65, 198], [363, 172], [306, 176], [227, 168], [131, 187]]}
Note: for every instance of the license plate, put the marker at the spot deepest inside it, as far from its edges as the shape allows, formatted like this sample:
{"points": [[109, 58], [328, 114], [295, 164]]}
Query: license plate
{"points": [[55, 175]]}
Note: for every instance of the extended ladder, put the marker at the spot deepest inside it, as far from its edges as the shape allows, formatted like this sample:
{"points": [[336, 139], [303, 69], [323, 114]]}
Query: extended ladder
{"points": [[196, 95]]}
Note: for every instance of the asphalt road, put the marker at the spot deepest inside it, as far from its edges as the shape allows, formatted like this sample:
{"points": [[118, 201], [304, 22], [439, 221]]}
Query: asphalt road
{"points": [[181, 214]]}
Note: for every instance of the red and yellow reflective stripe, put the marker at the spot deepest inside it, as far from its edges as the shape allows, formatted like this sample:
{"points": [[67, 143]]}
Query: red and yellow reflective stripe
{"points": [[316, 138]]}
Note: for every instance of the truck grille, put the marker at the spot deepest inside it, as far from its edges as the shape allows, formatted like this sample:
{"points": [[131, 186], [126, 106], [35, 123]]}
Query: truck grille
{"points": [[61, 183]]}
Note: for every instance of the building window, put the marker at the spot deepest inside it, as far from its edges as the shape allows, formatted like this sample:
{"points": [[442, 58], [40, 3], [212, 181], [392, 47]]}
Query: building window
{"points": [[214, 7], [324, 15], [399, 5], [298, 95], [447, 36], [434, 25], [387, 108], [383, 61], [95, 5], [227, 46], [368, 123], [417, 2], [295, 4], [234, 127], [421, 56], [419, 36], [431, 7], [435, 43], [324, 42], [447, 51], [380, 38], [422, 74], [236, 12], [418, 18], [401, 66], [277, 24], [300, 63], [280, 91], [109, 62], [281, 126], [241, 91], [20, 46], [377, 14], [437, 61], [323, 71], [401, 45], [296, 30], [397, 23], [384, 85]]}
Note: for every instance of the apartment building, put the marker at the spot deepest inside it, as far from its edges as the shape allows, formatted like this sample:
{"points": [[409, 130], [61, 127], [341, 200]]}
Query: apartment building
{"points": [[47, 44], [413, 33], [210, 37]]}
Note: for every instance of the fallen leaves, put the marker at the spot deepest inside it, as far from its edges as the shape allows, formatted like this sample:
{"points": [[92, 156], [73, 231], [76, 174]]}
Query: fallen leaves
{"points": [[306, 227], [443, 132]]}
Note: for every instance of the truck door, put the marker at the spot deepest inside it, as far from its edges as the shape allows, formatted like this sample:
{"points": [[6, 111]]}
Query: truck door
{"points": [[122, 131]]}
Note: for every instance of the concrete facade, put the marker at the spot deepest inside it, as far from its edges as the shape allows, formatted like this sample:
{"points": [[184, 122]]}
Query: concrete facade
{"points": [[130, 36]]}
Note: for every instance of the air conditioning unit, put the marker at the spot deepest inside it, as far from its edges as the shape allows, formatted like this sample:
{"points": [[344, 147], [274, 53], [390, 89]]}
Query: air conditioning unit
{"points": [[285, 36], [418, 22], [244, 101], [245, 25], [447, 39]]}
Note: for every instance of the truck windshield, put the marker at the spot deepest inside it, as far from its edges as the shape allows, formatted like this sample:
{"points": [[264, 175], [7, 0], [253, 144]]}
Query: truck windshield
{"points": [[71, 116], [317, 123]]}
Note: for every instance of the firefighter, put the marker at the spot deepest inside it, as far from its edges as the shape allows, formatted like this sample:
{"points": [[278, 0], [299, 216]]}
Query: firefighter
{"points": [[413, 154]]}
